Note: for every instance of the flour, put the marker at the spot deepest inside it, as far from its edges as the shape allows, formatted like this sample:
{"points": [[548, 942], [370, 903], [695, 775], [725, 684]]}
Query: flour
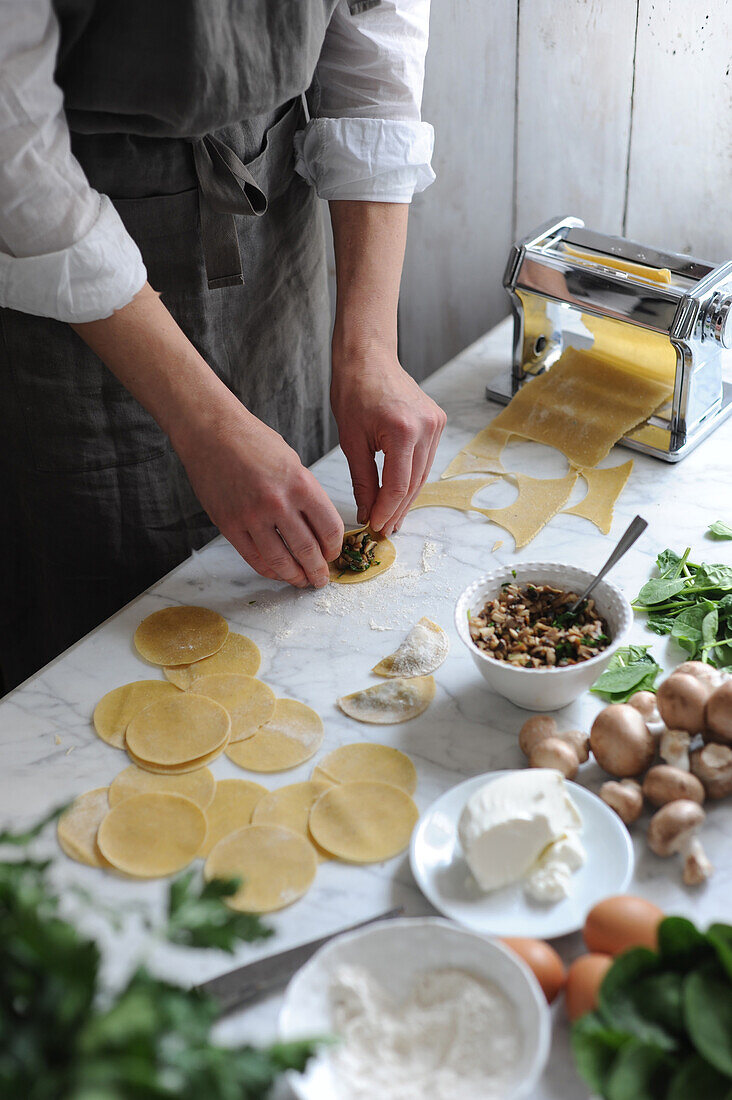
{"points": [[455, 1036]]}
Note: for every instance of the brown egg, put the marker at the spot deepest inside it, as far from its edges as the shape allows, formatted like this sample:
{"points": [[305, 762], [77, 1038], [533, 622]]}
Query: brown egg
{"points": [[584, 979], [620, 922], [543, 960]]}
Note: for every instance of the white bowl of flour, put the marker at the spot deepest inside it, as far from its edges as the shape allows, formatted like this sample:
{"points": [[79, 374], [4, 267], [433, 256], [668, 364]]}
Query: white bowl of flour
{"points": [[422, 1010]]}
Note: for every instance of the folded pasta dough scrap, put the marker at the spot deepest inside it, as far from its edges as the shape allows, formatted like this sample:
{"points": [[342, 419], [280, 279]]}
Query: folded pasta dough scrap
{"points": [[603, 489], [582, 406], [422, 651], [455, 494], [538, 500]]}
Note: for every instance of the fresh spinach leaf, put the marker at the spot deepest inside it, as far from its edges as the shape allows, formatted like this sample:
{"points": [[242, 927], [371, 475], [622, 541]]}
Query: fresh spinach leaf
{"points": [[713, 577], [640, 1072], [630, 669], [660, 589], [708, 1014], [719, 530], [681, 944], [720, 937], [635, 996], [695, 1077], [670, 563], [687, 630], [595, 1047]]}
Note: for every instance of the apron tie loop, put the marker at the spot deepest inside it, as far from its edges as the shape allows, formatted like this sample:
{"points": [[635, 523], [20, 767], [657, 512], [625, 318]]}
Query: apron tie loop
{"points": [[226, 187]]}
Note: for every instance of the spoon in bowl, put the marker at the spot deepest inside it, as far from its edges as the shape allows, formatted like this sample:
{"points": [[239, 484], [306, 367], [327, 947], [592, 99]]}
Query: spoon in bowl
{"points": [[626, 540]]}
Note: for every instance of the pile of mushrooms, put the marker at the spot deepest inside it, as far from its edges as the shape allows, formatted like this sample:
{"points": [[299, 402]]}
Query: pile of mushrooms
{"points": [[688, 724]]}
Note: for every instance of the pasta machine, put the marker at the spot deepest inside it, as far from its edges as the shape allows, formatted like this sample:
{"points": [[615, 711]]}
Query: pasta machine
{"points": [[660, 314]]}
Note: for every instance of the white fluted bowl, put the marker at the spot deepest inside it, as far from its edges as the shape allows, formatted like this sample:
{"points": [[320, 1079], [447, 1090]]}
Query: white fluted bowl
{"points": [[543, 689]]}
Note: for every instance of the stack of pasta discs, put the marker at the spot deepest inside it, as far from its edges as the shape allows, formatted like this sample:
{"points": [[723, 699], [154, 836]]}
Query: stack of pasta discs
{"points": [[178, 735]]}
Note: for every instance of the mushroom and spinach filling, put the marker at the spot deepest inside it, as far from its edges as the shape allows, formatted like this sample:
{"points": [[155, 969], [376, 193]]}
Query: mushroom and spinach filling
{"points": [[532, 626], [358, 553]]}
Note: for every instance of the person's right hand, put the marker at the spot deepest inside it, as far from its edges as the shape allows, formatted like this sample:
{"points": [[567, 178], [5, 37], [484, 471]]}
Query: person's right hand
{"points": [[252, 485], [260, 496]]}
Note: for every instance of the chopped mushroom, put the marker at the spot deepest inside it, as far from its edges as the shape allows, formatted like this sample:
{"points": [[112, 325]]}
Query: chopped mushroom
{"points": [[553, 753], [621, 742], [713, 765], [681, 701], [674, 829], [664, 784], [719, 714], [625, 797], [674, 748]]}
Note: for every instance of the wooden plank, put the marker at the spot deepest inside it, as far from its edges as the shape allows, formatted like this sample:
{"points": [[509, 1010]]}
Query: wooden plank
{"points": [[680, 179], [575, 75], [460, 228]]}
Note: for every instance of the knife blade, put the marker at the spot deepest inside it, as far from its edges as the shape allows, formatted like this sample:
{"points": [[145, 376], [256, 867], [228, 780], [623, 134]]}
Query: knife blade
{"points": [[246, 983]]}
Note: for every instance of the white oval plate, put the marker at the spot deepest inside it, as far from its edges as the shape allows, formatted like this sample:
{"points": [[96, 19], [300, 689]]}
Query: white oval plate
{"points": [[444, 878], [396, 953]]}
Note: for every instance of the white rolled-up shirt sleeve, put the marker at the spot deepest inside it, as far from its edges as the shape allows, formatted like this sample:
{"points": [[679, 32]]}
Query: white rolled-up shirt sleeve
{"points": [[64, 251], [366, 139]]}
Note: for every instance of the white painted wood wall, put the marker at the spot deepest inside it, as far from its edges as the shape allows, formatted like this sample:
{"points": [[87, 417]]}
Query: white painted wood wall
{"points": [[618, 111]]}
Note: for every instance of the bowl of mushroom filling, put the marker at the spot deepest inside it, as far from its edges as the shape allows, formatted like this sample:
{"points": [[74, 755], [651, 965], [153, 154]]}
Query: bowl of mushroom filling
{"points": [[525, 640]]}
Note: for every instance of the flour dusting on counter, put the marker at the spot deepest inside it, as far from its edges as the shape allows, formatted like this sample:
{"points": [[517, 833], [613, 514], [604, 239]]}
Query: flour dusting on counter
{"points": [[455, 1035], [385, 602]]}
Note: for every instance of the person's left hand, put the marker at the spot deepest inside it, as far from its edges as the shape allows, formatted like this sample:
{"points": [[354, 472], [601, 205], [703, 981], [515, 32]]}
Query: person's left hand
{"points": [[379, 407]]}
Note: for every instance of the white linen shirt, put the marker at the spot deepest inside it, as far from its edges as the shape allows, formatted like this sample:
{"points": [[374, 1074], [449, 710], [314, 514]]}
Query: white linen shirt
{"points": [[64, 252]]}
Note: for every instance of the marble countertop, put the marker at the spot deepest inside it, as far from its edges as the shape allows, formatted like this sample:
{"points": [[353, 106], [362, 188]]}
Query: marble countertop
{"points": [[318, 645]]}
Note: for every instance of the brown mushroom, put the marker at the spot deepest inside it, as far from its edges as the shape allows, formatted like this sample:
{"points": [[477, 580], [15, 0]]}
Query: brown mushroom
{"points": [[554, 753], [621, 742], [719, 714], [700, 671], [674, 829], [536, 729], [664, 784], [681, 700], [674, 748], [645, 702], [712, 764], [625, 797], [579, 741]]}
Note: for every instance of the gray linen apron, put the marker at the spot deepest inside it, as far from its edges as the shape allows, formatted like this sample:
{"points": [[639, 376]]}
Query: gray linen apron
{"points": [[183, 112]]}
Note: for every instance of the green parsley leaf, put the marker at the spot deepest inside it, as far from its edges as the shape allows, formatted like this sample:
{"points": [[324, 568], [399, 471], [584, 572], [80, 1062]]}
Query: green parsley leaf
{"points": [[199, 917]]}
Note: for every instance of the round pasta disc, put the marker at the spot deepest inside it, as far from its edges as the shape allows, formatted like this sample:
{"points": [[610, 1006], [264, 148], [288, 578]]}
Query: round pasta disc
{"points": [[396, 700], [367, 761], [231, 808], [180, 635], [153, 834], [77, 827], [292, 736], [290, 807], [116, 710], [423, 651], [276, 867], [237, 654], [198, 785], [363, 822], [386, 556], [177, 769], [178, 731], [249, 702]]}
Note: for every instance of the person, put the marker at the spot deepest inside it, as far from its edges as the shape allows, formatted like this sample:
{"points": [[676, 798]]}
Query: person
{"points": [[164, 326]]}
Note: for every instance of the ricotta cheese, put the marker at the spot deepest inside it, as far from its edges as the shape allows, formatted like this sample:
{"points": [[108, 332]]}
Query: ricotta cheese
{"points": [[550, 880], [509, 823]]}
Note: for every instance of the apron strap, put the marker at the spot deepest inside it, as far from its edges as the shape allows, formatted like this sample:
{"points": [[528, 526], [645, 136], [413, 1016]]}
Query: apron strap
{"points": [[226, 187]]}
